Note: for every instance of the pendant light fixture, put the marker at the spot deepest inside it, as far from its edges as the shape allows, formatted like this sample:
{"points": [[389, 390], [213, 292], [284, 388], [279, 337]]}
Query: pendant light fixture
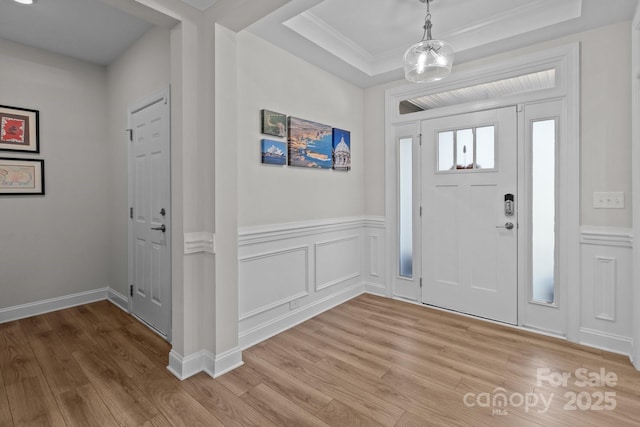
{"points": [[428, 60]]}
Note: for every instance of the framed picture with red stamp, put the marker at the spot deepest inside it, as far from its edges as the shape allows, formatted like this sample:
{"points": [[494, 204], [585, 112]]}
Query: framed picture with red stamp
{"points": [[19, 129]]}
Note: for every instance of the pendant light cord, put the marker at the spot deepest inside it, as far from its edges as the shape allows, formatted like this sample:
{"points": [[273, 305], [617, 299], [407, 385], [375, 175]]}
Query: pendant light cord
{"points": [[427, 24]]}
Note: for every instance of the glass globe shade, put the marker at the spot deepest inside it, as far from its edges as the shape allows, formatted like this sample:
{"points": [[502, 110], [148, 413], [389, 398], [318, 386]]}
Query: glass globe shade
{"points": [[428, 61]]}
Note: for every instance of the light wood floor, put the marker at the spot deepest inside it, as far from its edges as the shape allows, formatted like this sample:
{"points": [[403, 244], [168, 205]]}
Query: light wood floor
{"points": [[370, 361]]}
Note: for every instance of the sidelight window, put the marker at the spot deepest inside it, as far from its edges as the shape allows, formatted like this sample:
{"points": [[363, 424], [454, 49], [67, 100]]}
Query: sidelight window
{"points": [[543, 210]]}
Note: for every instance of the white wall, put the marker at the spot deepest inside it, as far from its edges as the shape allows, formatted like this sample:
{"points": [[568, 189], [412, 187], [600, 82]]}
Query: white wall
{"points": [[605, 108], [142, 70], [57, 244], [301, 231], [270, 78], [374, 147]]}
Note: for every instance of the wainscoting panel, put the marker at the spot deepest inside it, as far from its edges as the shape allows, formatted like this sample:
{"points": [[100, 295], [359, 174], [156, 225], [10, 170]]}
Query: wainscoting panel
{"points": [[374, 261], [606, 257], [337, 261], [291, 272], [275, 278], [605, 288]]}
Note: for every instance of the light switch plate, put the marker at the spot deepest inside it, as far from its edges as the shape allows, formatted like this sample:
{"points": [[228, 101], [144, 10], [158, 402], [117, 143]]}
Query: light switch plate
{"points": [[608, 200]]}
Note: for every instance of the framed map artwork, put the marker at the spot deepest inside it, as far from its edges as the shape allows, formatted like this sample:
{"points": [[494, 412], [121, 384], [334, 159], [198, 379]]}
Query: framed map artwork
{"points": [[21, 177]]}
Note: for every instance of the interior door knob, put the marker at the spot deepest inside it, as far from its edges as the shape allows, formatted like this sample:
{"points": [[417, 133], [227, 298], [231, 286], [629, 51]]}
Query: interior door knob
{"points": [[507, 225], [161, 228]]}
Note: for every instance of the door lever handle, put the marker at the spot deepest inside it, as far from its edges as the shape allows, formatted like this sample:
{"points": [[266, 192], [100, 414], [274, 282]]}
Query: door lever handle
{"points": [[507, 225], [161, 228]]}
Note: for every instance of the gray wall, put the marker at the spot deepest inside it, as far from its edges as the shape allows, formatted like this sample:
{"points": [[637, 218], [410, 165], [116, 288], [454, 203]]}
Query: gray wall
{"points": [[57, 244], [74, 238]]}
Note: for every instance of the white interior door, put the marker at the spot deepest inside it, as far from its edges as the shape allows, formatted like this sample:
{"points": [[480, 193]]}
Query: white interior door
{"points": [[469, 241], [150, 215]]}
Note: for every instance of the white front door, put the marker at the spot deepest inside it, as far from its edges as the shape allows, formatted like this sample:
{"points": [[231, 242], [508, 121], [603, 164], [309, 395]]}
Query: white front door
{"points": [[150, 215], [470, 217]]}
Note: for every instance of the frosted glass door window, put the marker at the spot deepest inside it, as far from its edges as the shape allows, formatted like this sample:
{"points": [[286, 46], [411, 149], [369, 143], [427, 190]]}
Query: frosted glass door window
{"points": [[406, 207], [543, 210], [485, 148], [445, 151]]}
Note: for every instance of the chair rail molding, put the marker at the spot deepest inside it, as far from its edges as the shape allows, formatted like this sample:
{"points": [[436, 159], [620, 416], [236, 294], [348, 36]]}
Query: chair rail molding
{"points": [[201, 242], [293, 271]]}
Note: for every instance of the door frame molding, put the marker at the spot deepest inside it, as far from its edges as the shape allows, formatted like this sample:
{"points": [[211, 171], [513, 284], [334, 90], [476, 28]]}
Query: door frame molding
{"points": [[157, 96], [566, 61], [635, 158]]}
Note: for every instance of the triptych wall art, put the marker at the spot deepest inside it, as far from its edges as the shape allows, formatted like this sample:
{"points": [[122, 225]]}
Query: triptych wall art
{"points": [[19, 132], [308, 144]]}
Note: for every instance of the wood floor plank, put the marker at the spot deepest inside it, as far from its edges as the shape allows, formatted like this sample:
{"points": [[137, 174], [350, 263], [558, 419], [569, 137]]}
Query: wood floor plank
{"points": [[83, 407], [105, 311], [12, 334], [297, 391], [221, 403], [241, 379], [358, 360], [168, 395], [390, 338], [279, 410], [123, 351], [32, 403], [145, 340], [5, 410], [397, 359], [416, 349], [450, 340], [58, 365], [87, 318], [333, 385], [17, 363], [336, 413], [412, 420], [66, 325], [370, 361], [160, 421], [34, 325], [310, 325], [127, 403], [434, 402]]}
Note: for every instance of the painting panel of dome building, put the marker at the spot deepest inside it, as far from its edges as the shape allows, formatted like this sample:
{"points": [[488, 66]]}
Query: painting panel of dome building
{"points": [[341, 150]]}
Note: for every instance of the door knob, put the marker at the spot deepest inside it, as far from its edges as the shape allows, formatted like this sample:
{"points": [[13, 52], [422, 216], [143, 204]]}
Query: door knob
{"points": [[507, 225], [163, 228]]}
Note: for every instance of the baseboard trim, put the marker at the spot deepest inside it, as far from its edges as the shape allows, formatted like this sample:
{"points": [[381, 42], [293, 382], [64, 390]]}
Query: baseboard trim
{"points": [[606, 341], [204, 361], [225, 362], [118, 299], [185, 367], [52, 304], [279, 324], [375, 289]]}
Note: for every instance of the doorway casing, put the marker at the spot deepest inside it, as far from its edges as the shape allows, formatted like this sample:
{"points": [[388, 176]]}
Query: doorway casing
{"points": [[565, 61]]}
